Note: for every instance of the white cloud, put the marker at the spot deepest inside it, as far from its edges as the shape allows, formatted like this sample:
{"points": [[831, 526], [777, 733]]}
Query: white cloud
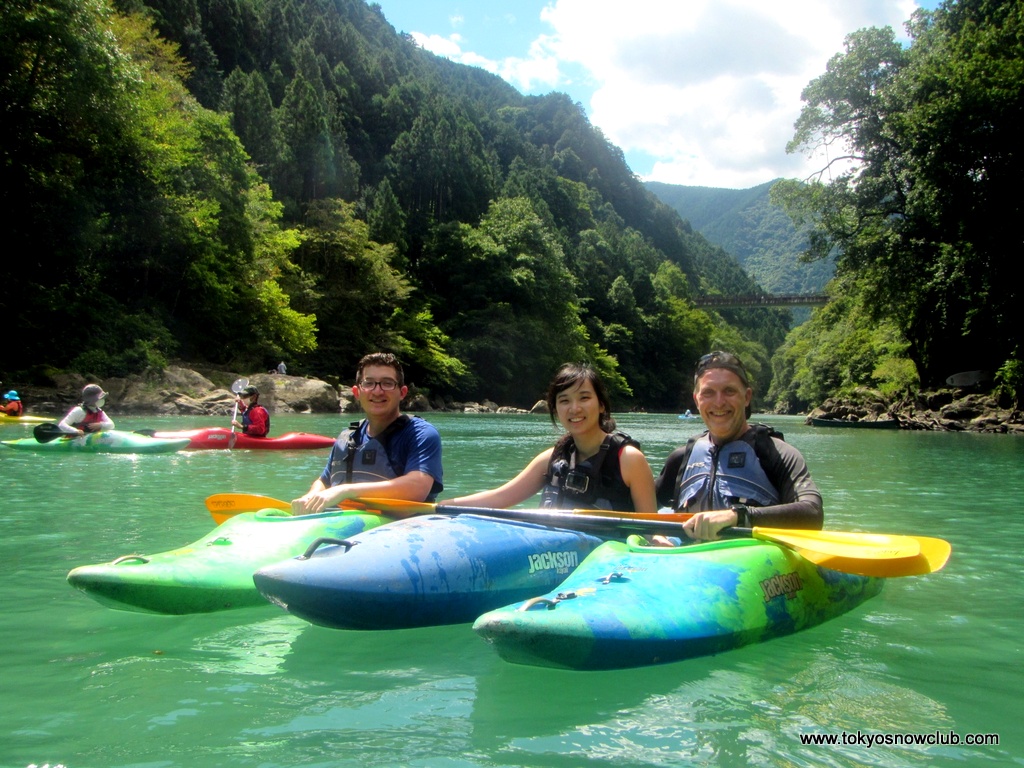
{"points": [[541, 69], [450, 47], [707, 89]]}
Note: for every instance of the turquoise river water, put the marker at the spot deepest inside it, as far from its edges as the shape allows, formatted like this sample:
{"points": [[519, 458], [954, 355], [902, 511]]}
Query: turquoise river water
{"points": [[84, 686]]}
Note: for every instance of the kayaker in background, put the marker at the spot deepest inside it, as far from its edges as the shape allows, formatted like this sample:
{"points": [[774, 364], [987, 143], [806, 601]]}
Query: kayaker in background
{"points": [[12, 404], [255, 418], [592, 465], [386, 455], [736, 474], [88, 416]]}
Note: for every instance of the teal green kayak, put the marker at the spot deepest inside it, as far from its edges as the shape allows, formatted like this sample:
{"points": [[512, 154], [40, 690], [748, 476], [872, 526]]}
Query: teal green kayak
{"points": [[215, 572], [630, 605], [108, 441]]}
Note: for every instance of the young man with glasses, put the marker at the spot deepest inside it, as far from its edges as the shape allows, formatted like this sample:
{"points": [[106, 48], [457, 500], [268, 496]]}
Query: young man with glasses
{"points": [[736, 474], [386, 455]]}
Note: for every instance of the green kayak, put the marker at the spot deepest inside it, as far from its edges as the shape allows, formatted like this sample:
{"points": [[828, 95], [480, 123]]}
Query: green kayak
{"points": [[215, 572], [631, 605], [108, 441]]}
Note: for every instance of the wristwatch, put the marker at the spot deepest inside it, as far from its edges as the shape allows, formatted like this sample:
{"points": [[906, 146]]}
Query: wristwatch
{"points": [[742, 515]]}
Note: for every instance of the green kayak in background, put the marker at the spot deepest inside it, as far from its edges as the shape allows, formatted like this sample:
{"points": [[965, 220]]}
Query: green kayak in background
{"points": [[215, 572], [108, 441]]}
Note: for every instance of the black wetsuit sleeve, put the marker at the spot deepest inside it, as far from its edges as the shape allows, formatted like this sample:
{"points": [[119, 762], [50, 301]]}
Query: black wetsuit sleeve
{"points": [[801, 505], [665, 483]]}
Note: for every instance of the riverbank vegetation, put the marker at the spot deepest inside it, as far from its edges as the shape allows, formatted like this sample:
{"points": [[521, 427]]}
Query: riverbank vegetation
{"points": [[915, 207], [236, 183]]}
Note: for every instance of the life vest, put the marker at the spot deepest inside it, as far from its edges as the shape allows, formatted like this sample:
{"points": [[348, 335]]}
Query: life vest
{"points": [[14, 408], [595, 483], [368, 462], [247, 419], [717, 477], [91, 417]]}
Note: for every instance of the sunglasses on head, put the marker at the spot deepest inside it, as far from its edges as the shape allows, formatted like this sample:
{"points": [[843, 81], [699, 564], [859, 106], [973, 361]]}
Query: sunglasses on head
{"points": [[719, 359]]}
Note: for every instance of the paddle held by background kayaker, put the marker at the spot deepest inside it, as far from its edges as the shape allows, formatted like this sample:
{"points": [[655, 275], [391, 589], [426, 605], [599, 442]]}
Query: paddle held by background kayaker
{"points": [[386, 455], [735, 473], [88, 415], [255, 418], [591, 466]]}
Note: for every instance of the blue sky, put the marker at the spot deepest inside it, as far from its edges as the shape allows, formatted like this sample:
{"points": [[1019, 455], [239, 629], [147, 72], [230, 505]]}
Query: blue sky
{"points": [[694, 92]]}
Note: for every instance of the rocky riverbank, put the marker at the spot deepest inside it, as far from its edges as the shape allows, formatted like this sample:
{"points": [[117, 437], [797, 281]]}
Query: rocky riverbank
{"points": [[179, 391], [950, 410]]}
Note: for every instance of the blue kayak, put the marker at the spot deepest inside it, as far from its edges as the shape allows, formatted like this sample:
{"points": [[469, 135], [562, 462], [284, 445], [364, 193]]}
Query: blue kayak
{"points": [[631, 605], [424, 571]]}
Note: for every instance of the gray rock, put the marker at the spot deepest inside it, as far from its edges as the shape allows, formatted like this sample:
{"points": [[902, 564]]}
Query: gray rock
{"points": [[181, 391], [295, 394]]}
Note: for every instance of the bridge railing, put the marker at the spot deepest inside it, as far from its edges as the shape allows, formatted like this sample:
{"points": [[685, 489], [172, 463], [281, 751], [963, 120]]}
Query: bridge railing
{"points": [[783, 300]]}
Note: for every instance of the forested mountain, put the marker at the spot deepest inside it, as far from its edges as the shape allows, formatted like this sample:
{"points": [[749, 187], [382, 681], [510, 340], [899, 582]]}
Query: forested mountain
{"points": [[750, 227], [241, 181]]}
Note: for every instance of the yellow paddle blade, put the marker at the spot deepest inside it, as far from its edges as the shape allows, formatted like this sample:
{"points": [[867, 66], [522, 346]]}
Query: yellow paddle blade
{"points": [[221, 506], [933, 556], [869, 546]]}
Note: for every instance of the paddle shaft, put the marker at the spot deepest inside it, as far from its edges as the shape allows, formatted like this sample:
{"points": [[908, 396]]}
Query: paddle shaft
{"points": [[580, 521], [227, 504], [866, 554], [237, 388]]}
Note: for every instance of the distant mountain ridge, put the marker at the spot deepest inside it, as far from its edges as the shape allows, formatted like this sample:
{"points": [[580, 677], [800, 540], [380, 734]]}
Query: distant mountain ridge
{"points": [[758, 234]]}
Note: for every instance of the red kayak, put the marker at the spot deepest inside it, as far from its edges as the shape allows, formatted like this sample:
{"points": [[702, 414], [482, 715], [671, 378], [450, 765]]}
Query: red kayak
{"points": [[210, 438]]}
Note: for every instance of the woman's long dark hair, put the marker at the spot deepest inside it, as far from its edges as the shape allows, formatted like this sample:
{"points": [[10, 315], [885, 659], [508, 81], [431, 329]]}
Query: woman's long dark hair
{"points": [[567, 377]]}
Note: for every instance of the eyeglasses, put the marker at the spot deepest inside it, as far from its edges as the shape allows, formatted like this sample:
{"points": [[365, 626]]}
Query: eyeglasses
{"points": [[386, 385]]}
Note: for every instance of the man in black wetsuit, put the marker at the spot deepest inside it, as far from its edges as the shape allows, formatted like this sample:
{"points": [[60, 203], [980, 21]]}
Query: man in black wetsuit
{"points": [[736, 474]]}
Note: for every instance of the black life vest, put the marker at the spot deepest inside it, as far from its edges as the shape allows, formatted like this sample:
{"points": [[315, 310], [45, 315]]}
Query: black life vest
{"points": [[368, 462], [595, 483]]}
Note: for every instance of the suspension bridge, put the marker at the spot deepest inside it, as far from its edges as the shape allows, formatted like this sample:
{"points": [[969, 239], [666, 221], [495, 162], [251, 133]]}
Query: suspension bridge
{"points": [[781, 300]]}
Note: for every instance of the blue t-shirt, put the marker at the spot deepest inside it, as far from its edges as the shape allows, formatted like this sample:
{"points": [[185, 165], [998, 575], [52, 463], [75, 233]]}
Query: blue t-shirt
{"points": [[416, 447]]}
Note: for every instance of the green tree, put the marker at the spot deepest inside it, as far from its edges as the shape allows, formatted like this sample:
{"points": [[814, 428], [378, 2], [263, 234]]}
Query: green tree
{"points": [[442, 170], [920, 219], [385, 217], [141, 230], [348, 281], [518, 319], [246, 99], [216, 239], [308, 167], [842, 348], [66, 114]]}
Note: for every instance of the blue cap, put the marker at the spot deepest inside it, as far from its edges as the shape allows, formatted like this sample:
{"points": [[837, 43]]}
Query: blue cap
{"points": [[12, 395]]}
